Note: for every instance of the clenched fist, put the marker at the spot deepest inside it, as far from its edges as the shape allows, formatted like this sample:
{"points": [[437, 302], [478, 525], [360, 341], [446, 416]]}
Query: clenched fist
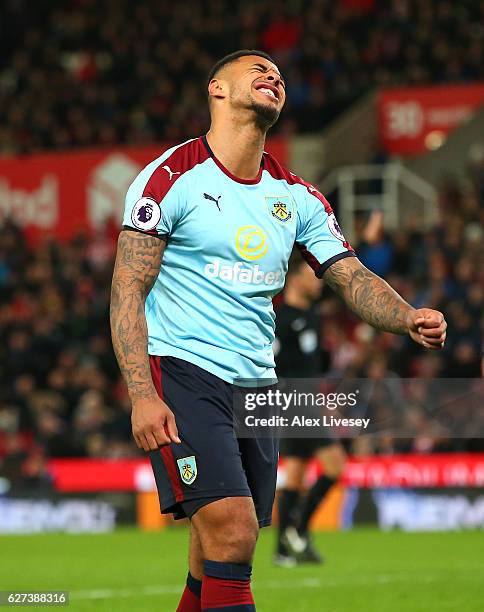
{"points": [[427, 327]]}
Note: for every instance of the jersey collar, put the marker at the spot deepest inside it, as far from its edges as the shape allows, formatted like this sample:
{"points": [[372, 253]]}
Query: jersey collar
{"points": [[253, 181]]}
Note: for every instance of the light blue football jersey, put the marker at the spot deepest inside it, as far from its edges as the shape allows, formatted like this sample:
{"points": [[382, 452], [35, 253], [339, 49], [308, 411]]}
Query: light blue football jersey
{"points": [[228, 246]]}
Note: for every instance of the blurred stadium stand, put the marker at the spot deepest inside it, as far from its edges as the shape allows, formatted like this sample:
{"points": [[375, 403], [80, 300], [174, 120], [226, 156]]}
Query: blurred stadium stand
{"points": [[90, 72]]}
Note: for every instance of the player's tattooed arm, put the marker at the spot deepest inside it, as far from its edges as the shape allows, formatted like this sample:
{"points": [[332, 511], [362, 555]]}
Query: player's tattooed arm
{"points": [[138, 261], [368, 295], [137, 266], [372, 299]]}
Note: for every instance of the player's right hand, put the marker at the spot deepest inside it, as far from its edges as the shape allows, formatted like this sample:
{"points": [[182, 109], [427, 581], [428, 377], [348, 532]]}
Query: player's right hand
{"points": [[153, 424]]}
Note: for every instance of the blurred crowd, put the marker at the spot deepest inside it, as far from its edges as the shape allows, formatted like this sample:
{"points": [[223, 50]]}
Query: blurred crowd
{"points": [[60, 388], [61, 393], [440, 269], [100, 73]]}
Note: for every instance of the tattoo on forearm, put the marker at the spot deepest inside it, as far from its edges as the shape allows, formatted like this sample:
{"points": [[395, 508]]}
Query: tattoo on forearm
{"points": [[138, 261], [368, 295]]}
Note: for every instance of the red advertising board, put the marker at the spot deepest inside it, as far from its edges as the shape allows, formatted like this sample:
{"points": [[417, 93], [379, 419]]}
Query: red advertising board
{"points": [[428, 471], [424, 471], [62, 193], [414, 120]]}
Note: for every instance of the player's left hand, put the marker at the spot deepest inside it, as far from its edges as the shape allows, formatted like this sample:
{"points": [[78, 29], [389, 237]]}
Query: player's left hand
{"points": [[427, 327]]}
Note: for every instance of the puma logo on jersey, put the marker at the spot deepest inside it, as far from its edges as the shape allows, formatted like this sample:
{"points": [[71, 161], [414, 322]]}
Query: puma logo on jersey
{"points": [[207, 196], [168, 169]]}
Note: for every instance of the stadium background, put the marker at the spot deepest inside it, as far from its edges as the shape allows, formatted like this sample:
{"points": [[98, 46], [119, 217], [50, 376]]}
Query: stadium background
{"points": [[385, 114]]}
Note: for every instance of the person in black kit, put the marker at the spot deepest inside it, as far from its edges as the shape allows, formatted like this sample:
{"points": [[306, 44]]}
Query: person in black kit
{"points": [[298, 355]]}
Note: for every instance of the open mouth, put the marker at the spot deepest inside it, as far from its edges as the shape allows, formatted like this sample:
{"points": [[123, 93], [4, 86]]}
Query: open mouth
{"points": [[268, 90]]}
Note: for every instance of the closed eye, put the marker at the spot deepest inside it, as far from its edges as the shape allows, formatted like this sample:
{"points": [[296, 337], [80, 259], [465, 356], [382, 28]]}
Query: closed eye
{"points": [[264, 69]]}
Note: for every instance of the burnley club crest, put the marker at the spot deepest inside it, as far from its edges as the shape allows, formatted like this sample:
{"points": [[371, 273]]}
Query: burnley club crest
{"points": [[280, 207], [188, 469]]}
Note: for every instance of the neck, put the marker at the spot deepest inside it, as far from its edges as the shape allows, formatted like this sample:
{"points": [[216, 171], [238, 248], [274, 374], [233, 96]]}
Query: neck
{"points": [[293, 297], [238, 146]]}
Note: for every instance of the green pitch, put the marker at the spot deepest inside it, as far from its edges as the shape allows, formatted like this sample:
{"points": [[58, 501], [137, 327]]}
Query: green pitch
{"points": [[365, 571]]}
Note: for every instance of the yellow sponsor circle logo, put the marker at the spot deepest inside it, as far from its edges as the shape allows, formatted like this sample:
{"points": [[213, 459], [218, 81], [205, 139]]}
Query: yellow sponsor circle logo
{"points": [[251, 242]]}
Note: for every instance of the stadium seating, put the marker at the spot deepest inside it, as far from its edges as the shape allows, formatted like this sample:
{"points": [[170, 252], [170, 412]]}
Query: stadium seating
{"points": [[120, 79]]}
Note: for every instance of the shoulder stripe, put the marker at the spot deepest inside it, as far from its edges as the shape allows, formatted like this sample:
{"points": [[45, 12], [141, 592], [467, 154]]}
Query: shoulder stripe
{"points": [[158, 177], [170, 168], [280, 173]]}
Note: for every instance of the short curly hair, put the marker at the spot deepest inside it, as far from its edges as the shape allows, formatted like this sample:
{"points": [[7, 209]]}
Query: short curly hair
{"points": [[232, 57]]}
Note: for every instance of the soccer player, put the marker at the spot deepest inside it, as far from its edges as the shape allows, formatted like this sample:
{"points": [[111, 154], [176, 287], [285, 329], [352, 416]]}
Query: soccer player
{"points": [[208, 230], [298, 355]]}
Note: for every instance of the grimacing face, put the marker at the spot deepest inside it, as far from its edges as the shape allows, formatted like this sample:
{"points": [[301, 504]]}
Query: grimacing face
{"points": [[252, 83]]}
